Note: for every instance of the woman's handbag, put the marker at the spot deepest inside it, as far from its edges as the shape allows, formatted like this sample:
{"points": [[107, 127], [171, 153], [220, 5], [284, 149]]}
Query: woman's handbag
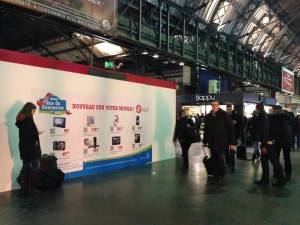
{"points": [[193, 135]]}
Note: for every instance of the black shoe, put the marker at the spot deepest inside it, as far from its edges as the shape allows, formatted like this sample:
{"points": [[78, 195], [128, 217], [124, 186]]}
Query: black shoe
{"points": [[287, 178], [278, 183], [221, 181], [214, 181], [261, 183]]}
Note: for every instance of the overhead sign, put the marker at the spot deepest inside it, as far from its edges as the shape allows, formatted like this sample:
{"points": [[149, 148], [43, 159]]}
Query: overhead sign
{"points": [[205, 98], [96, 15], [262, 99], [287, 81]]}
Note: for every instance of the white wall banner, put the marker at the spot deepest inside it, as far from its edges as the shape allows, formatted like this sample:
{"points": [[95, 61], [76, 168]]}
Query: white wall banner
{"points": [[91, 128], [91, 124]]}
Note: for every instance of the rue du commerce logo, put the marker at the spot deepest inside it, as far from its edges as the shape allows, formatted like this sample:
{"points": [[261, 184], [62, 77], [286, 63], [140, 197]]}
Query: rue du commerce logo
{"points": [[205, 98]]}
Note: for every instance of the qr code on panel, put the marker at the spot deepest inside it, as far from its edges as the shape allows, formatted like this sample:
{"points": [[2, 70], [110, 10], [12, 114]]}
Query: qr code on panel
{"points": [[111, 148], [133, 145], [111, 128], [52, 131], [133, 127], [85, 129]]}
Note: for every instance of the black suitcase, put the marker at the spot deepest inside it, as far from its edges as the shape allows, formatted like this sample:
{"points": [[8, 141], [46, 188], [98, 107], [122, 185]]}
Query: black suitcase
{"points": [[241, 152], [207, 161], [208, 165]]}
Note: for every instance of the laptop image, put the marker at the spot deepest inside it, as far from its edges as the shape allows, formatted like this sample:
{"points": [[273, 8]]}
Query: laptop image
{"points": [[59, 122]]}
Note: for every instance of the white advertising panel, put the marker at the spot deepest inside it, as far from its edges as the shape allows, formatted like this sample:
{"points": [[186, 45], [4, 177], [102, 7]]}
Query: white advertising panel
{"points": [[91, 124]]}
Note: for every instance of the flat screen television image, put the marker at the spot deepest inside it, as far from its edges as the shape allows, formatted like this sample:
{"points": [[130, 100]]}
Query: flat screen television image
{"points": [[59, 122]]}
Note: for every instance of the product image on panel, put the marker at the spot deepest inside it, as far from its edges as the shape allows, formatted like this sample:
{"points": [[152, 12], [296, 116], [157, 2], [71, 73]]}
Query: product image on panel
{"points": [[116, 120], [116, 140], [91, 142], [59, 122], [137, 120], [137, 138], [90, 121], [59, 145], [95, 142], [86, 142]]}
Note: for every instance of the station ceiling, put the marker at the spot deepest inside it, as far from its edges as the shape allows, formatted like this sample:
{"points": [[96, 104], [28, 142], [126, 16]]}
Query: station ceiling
{"points": [[269, 27]]}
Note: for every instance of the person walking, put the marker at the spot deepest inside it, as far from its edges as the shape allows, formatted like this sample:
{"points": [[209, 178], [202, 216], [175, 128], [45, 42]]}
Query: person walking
{"points": [[183, 124], [283, 135], [237, 124], [252, 129], [219, 137], [268, 151], [29, 147]]}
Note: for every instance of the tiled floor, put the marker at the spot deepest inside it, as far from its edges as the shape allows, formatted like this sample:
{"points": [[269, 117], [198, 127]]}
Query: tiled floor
{"points": [[161, 194]]}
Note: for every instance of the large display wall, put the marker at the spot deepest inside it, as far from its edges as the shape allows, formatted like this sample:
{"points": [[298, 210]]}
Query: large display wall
{"points": [[91, 124]]}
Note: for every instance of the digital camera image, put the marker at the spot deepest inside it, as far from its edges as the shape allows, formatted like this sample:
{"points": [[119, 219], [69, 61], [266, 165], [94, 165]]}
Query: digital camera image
{"points": [[137, 138], [59, 145], [116, 140]]}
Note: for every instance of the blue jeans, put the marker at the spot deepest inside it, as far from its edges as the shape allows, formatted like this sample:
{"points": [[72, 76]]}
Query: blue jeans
{"points": [[255, 154]]}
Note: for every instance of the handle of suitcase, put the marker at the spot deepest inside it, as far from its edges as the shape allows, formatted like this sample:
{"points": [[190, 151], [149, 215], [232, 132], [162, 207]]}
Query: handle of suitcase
{"points": [[206, 150]]}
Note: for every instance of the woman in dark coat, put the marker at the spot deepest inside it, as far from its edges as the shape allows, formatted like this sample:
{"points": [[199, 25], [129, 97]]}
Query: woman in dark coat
{"points": [[183, 124], [29, 147]]}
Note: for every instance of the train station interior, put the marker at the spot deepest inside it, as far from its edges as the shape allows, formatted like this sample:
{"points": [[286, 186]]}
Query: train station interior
{"points": [[109, 78]]}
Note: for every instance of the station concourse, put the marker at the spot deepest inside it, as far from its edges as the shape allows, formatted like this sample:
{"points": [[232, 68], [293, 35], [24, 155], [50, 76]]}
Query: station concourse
{"points": [[161, 193]]}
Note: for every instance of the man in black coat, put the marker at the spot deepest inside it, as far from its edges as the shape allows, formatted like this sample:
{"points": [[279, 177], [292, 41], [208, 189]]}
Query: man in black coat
{"points": [[219, 136], [268, 151], [283, 135], [237, 125]]}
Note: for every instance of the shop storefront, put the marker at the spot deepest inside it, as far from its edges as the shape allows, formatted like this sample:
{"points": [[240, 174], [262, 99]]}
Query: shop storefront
{"points": [[243, 103]]}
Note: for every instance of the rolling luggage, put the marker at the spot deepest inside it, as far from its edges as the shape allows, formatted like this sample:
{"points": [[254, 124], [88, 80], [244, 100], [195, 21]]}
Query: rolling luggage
{"points": [[207, 161], [241, 152]]}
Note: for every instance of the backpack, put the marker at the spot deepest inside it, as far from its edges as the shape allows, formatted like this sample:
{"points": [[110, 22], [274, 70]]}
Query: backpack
{"points": [[48, 163], [50, 176], [51, 179]]}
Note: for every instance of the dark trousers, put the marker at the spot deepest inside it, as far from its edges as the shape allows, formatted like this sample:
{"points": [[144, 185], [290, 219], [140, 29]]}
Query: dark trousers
{"points": [[33, 164], [230, 158], [217, 157], [185, 146], [298, 141], [273, 157], [286, 149]]}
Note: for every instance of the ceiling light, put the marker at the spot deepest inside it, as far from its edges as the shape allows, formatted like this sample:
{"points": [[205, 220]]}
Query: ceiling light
{"points": [[282, 58], [265, 20], [107, 49], [221, 26], [145, 52], [155, 55], [181, 64]]}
